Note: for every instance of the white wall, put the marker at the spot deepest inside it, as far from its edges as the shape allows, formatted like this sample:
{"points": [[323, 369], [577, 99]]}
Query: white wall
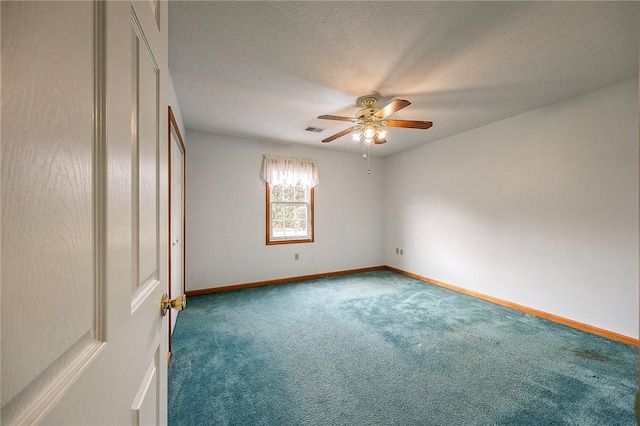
{"points": [[540, 209], [172, 98], [226, 214]]}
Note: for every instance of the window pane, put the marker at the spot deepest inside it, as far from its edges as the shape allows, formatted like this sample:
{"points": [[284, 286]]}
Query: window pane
{"points": [[301, 193], [277, 212], [276, 193], [277, 229], [288, 223], [288, 211], [302, 227], [288, 193], [301, 212]]}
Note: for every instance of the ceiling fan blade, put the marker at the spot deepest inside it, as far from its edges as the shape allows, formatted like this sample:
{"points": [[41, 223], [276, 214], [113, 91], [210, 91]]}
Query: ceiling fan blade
{"points": [[410, 124], [336, 117], [379, 141], [393, 106], [338, 135]]}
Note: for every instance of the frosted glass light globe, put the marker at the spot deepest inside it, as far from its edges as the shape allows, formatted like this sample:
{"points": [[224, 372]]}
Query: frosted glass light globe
{"points": [[369, 131]]}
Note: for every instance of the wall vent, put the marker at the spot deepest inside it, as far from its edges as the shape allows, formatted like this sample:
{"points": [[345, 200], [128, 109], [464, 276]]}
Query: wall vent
{"points": [[314, 129]]}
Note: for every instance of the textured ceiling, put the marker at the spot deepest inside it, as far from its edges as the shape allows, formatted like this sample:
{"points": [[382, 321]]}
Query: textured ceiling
{"points": [[266, 70]]}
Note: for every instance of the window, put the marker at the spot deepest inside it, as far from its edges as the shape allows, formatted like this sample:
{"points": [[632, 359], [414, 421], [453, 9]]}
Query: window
{"points": [[289, 186], [289, 213]]}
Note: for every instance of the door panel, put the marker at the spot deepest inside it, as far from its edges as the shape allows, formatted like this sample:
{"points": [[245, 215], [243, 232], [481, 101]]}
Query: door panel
{"points": [[83, 258], [147, 145], [145, 170], [47, 259], [144, 408]]}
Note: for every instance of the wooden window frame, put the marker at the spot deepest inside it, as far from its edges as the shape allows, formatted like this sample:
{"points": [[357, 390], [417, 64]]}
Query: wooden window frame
{"points": [[270, 241]]}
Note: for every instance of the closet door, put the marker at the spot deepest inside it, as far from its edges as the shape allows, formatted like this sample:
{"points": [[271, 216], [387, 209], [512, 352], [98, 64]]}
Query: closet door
{"points": [[177, 181]]}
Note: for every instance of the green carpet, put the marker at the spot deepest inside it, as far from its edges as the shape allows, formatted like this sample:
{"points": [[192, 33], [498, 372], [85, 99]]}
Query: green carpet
{"points": [[380, 348]]}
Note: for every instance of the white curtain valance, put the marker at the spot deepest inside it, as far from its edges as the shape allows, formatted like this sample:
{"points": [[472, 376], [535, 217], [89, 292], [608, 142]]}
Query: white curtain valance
{"points": [[289, 171]]}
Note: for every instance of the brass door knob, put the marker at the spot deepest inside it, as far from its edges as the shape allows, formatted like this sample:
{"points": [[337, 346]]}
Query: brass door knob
{"points": [[178, 303]]}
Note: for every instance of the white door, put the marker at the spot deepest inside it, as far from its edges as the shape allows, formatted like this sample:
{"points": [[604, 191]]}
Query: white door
{"points": [[176, 213], [84, 212]]}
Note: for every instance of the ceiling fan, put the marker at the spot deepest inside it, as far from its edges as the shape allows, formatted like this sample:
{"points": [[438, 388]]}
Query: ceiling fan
{"points": [[371, 121]]}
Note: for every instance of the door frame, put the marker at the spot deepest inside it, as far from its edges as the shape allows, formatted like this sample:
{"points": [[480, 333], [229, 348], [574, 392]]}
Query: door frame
{"points": [[174, 129]]}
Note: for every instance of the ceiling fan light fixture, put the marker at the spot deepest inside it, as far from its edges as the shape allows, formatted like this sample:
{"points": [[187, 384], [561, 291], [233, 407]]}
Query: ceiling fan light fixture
{"points": [[381, 133], [368, 141], [356, 136], [369, 132]]}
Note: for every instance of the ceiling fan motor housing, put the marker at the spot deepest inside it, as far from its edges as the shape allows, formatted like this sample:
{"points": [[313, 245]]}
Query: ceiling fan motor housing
{"points": [[366, 111], [369, 109]]}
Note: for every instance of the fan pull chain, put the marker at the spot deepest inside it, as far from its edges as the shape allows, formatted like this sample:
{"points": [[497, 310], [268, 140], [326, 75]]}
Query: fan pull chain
{"points": [[365, 156]]}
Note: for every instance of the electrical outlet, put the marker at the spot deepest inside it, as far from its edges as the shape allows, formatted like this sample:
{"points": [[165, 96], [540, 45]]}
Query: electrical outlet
{"points": [[296, 256], [401, 252]]}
